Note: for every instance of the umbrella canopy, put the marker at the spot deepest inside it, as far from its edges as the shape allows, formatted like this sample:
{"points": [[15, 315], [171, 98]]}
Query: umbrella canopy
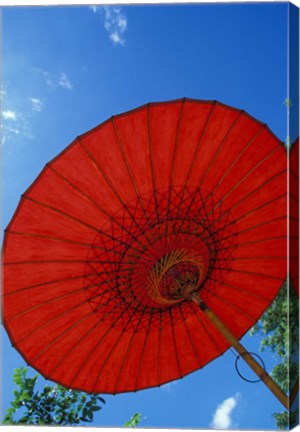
{"points": [[101, 244]]}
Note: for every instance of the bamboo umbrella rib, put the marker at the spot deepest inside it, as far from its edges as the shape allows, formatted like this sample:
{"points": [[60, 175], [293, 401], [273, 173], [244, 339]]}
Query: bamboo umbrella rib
{"points": [[241, 288], [54, 299], [109, 354], [138, 370], [238, 157], [248, 173], [190, 339], [129, 170], [77, 343], [175, 345], [219, 147], [199, 316], [68, 216], [105, 212], [250, 272], [54, 238], [151, 161], [175, 148], [110, 184], [234, 307], [51, 282], [129, 347], [200, 141], [245, 197]]}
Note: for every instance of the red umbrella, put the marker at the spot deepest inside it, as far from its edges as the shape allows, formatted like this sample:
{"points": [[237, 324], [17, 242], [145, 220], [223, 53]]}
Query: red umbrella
{"points": [[126, 225]]}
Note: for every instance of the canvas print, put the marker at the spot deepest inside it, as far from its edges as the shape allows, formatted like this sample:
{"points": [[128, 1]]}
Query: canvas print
{"points": [[151, 216]]}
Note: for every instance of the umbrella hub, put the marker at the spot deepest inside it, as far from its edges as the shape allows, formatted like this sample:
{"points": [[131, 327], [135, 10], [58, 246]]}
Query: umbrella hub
{"points": [[172, 272]]}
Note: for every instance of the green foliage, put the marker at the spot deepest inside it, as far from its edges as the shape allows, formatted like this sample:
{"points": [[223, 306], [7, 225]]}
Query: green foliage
{"points": [[54, 405], [279, 327], [134, 421]]}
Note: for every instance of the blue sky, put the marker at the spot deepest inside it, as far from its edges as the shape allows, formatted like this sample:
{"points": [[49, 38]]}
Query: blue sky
{"points": [[67, 69]]}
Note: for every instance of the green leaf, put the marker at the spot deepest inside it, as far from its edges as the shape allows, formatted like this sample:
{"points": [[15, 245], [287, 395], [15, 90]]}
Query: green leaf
{"points": [[96, 408]]}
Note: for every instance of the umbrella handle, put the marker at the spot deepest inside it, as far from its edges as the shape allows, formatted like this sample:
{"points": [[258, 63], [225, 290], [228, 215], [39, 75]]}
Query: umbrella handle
{"points": [[254, 365]]}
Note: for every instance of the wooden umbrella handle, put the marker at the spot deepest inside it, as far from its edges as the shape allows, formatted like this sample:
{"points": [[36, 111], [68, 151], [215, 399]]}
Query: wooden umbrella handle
{"points": [[254, 365]]}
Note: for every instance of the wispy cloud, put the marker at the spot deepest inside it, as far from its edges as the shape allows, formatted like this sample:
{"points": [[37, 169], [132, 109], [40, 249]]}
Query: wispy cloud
{"points": [[94, 8], [9, 115], [16, 121], [55, 80], [36, 104], [222, 416], [14, 124], [115, 22], [64, 81]]}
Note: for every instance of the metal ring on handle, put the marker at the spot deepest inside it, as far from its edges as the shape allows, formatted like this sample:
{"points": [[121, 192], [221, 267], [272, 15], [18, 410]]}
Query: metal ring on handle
{"points": [[239, 373]]}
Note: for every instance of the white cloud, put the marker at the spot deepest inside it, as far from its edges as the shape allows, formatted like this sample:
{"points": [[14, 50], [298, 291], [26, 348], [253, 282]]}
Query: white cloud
{"points": [[9, 115], [115, 22], [36, 104], [94, 8], [64, 81], [222, 416], [55, 81]]}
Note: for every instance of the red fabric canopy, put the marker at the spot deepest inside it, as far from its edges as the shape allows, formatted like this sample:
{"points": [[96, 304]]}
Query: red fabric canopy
{"points": [[171, 193]]}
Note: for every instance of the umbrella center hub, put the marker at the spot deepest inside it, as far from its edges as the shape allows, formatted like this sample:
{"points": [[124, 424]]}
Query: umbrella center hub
{"points": [[171, 273]]}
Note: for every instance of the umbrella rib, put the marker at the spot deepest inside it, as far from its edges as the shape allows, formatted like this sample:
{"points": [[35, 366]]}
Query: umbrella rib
{"points": [[46, 323], [46, 283], [48, 206], [175, 344], [110, 217], [58, 261], [253, 257], [240, 288], [54, 299], [213, 105], [199, 316], [220, 145], [126, 161], [175, 150], [249, 272], [129, 346], [108, 181], [142, 353], [234, 307], [256, 189], [252, 227], [228, 171], [152, 161], [53, 238], [190, 338], [77, 341], [261, 240], [241, 180], [250, 212], [61, 335], [112, 350], [68, 216], [240, 154]]}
